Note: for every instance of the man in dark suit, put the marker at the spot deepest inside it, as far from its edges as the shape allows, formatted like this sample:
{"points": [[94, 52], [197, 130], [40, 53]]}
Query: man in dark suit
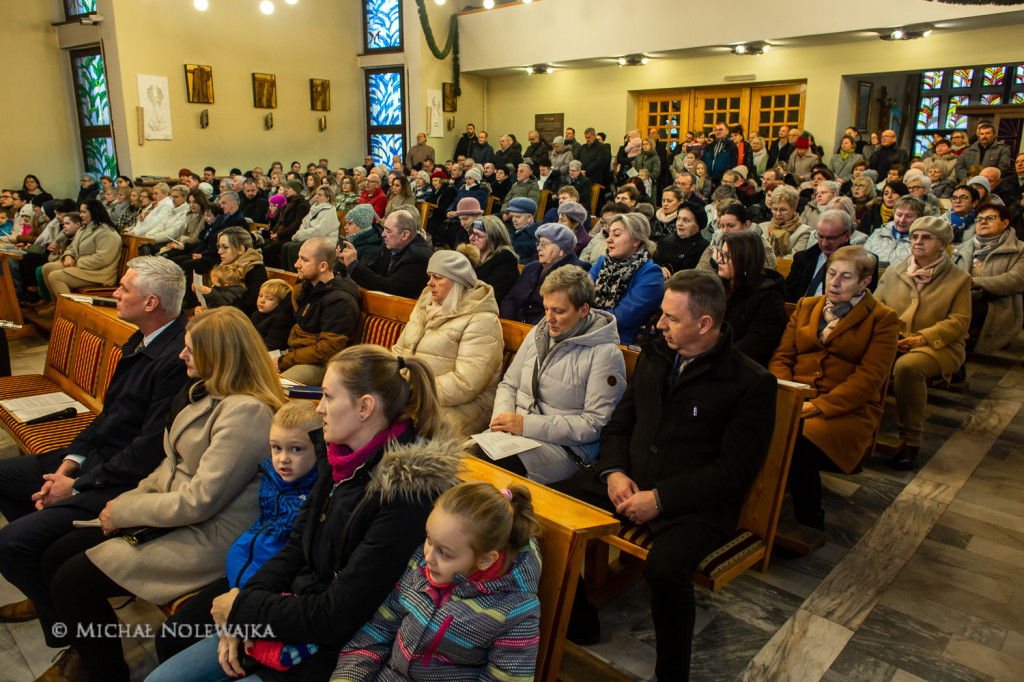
{"points": [[42, 495], [400, 268], [807, 274], [596, 160], [680, 452], [780, 149]]}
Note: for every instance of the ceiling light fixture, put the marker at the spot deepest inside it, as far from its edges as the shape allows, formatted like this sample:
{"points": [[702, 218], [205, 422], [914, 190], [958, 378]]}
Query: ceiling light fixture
{"points": [[488, 4], [633, 60], [907, 32], [267, 7], [539, 69], [200, 5], [753, 49]]}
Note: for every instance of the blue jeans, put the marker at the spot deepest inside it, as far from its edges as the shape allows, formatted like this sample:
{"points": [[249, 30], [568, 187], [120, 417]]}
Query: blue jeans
{"points": [[198, 663]]}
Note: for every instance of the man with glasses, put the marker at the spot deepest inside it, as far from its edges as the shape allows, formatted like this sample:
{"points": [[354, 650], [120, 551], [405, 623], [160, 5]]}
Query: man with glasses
{"points": [[961, 212], [807, 274], [986, 152], [888, 155], [373, 195], [721, 154]]}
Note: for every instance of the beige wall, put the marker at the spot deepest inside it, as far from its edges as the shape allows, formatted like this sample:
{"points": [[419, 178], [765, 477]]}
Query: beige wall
{"points": [[296, 43], [36, 118], [600, 97]]}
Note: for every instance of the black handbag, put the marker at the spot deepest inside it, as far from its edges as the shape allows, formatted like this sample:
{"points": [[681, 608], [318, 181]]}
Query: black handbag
{"points": [[140, 535]]}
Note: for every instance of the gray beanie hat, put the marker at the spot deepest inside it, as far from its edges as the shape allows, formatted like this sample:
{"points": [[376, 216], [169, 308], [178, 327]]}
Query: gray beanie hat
{"points": [[937, 226], [574, 211], [206, 188], [870, 175], [980, 180], [454, 266], [558, 140], [559, 235], [475, 174], [362, 215]]}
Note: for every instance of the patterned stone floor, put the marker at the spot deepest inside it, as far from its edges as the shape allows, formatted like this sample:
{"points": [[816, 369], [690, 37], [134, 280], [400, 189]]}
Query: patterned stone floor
{"points": [[922, 577]]}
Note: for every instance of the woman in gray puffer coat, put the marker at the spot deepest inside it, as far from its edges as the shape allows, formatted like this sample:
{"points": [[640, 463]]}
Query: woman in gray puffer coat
{"points": [[564, 381]]}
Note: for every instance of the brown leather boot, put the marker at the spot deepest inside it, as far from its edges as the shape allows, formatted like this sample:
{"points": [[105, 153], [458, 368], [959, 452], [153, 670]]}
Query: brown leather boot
{"points": [[17, 612], [67, 667]]}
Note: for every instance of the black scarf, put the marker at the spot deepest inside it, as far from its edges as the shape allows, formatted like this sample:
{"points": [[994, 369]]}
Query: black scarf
{"points": [[614, 278]]}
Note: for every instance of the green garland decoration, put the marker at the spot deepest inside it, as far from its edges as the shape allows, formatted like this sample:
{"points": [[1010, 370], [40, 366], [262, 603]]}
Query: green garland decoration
{"points": [[452, 46]]}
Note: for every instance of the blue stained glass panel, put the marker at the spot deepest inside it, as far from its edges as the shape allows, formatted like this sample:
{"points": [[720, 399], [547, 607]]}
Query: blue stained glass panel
{"points": [[386, 99], [383, 28], [99, 156], [384, 147], [91, 81]]}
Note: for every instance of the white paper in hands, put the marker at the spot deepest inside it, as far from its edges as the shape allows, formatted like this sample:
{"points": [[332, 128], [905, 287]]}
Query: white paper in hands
{"points": [[499, 445], [197, 283]]}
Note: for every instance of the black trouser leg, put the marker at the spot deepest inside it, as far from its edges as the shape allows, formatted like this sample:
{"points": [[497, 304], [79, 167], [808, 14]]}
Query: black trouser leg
{"points": [[805, 483]]}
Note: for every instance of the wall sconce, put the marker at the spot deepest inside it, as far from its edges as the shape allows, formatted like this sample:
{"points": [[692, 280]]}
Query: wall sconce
{"points": [[907, 32], [322, 123], [753, 49], [633, 60], [538, 69], [204, 118], [268, 121], [451, 123]]}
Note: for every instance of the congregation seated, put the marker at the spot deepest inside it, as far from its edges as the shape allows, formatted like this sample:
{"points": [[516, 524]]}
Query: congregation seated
{"points": [[961, 214], [565, 194], [598, 245], [525, 187], [204, 254], [577, 218], [466, 213], [824, 194], [321, 221], [454, 330], [203, 493], [253, 204], [173, 224], [920, 186], [865, 197], [756, 308], [683, 247], [882, 212], [91, 258], [841, 163], [53, 238], [400, 268], [933, 300], [787, 233], [628, 283], [521, 212], [994, 258], [363, 233], [563, 383], [663, 224], [891, 241], [156, 212], [400, 197], [556, 247], [234, 245], [735, 218], [842, 344], [287, 222], [347, 198], [807, 274], [943, 157], [492, 256]]}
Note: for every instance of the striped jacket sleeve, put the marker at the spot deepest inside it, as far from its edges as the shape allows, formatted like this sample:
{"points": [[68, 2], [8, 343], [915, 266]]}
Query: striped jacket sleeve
{"points": [[513, 654]]}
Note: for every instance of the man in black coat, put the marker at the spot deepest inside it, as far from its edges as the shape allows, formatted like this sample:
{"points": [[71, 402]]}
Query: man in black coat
{"points": [[596, 159], [42, 495], [807, 274], [681, 450], [466, 142], [205, 254], [888, 155], [536, 151], [400, 268], [507, 155], [252, 203], [780, 149]]}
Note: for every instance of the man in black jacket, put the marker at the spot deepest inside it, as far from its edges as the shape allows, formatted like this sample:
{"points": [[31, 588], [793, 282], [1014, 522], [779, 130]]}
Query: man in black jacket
{"points": [[42, 495], [400, 268], [780, 149], [507, 155], [466, 142], [536, 151], [888, 154], [595, 158], [253, 204], [681, 450], [807, 274]]}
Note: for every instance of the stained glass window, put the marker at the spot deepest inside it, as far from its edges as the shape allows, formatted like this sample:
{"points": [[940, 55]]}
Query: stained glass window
{"points": [[1019, 80], [928, 113], [100, 157], [921, 144], [91, 87], [385, 147], [954, 119], [78, 8], [991, 99], [962, 78], [1018, 98], [383, 21], [994, 75], [932, 80], [386, 98]]}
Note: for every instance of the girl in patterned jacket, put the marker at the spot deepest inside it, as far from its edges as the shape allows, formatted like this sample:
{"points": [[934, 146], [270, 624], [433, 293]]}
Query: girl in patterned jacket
{"points": [[466, 607]]}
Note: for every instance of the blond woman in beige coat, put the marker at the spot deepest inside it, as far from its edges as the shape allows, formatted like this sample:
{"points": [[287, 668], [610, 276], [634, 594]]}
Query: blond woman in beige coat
{"points": [[933, 300], [454, 328], [205, 491]]}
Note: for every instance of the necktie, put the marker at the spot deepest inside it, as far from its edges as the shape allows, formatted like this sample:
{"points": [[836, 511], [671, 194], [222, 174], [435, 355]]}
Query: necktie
{"points": [[816, 281]]}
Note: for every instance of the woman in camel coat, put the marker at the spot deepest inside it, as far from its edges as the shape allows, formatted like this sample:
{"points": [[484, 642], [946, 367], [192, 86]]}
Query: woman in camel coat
{"points": [[848, 369], [454, 328]]}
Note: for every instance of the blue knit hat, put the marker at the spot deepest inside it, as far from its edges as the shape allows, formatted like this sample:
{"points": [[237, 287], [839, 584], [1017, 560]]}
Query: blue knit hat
{"points": [[522, 205]]}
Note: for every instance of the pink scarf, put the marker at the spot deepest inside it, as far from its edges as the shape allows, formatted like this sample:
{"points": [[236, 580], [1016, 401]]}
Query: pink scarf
{"points": [[922, 276], [344, 461]]}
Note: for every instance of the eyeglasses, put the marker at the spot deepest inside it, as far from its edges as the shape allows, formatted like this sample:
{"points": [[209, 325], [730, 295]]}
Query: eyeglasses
{"points": [[835, 238], [722, 256], [961, 197], [543, 243], [988, 218]]}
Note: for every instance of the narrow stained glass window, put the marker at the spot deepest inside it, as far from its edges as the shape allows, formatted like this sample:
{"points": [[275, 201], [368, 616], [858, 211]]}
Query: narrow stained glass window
{"points": [[92, 100], [932, 80], [962, 78], [928, 114], [383, 25], [386, 99], [954, 119], [384, 147], [78, 8], [385, 115]]}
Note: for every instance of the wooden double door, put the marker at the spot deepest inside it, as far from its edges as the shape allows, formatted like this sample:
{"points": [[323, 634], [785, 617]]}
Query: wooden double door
{"points": [[760, 109]]}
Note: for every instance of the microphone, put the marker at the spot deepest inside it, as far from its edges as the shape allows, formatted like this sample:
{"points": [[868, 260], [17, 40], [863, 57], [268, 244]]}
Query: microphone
{"points": [[63, 414]]}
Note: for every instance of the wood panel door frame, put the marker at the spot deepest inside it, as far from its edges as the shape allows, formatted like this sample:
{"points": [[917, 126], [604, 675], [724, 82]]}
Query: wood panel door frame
{"points": [[681, 117]]}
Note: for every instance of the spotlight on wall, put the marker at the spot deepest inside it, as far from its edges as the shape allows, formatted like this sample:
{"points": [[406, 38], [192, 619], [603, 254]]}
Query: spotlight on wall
{"points": [[267, 7], [539, 69], [906, 32], [633, 60], [488, 4], [201, 5], [438, 2], [291, 2], [754, 49]]}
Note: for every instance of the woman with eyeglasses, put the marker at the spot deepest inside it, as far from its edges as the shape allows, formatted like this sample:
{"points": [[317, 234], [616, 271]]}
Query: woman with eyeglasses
{"points": [[786, 233], [865, 197], [994, 258], [556, 248], [755, 296], [491, 253], [961, 214]]}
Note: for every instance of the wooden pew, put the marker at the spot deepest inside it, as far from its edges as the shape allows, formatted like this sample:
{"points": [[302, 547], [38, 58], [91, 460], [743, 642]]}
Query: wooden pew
{"points": [[567, 525], [85, 346], [276, 273], [542, 204], [9, 308], [425, 210], [595, 196], [750, 547]]}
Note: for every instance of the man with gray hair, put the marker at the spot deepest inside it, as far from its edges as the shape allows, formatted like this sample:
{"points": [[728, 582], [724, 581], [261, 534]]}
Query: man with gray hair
{"points": [[42, 495], [536, 151], [205, 254], [507, 155], [580, 182], [807, 274], [596, 160], [525, 186]]}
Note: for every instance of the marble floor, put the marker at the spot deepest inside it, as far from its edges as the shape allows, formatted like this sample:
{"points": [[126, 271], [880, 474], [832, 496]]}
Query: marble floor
{"points": [[922, 577]]}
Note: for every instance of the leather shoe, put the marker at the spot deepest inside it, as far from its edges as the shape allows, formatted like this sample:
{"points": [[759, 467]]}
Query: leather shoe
{"points": [[905, 460], [67, 667], [17, 612]]}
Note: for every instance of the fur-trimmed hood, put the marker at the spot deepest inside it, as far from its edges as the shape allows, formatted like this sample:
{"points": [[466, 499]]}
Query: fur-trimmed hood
{"points": [[423, 468]]}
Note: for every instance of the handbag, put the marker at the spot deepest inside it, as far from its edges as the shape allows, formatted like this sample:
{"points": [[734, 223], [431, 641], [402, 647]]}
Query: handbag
{"points": [[140, 535]]}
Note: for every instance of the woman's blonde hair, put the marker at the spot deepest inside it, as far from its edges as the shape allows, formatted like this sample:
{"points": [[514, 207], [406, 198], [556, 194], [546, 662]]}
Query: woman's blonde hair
{"points": [[231, 357], [368, 369], [786, 195], [862, 259], [497, 234], [493, 521]]}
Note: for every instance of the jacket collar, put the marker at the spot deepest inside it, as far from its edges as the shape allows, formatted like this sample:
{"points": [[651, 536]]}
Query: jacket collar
{"points": [[158, 345], [718, 360]]}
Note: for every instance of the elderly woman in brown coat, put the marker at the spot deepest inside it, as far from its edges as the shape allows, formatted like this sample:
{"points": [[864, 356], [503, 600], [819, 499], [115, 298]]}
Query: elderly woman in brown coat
{"points": [[994, 258], [933, 299], [843, 345], [195, 504]]}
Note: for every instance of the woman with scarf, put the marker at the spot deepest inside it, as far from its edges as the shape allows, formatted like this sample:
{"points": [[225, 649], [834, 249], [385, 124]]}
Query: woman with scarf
{"points": [[786, 233], [347, 197], [994, 258], [755, 296], [362, 232], [842, 345], [933, 300], [841, 163], [882, 212], [958, 138], [962, 215], [556, 247], [865, 197], [824, 193], [628, 283], [234, 244], [663, 223], [683, 247], [492, 256], [454, 330]]}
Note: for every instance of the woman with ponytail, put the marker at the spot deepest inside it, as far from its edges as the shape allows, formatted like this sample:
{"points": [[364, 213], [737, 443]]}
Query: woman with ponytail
{"points": [[466, 607], [382, 460]]}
